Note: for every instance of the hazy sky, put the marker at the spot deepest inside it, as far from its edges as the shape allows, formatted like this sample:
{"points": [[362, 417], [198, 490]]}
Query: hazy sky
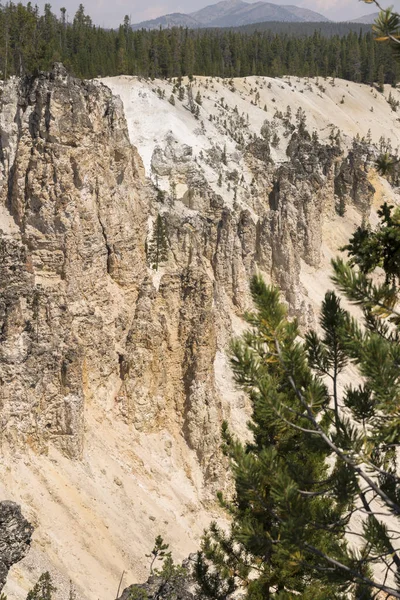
{"points": [[110, 13]]}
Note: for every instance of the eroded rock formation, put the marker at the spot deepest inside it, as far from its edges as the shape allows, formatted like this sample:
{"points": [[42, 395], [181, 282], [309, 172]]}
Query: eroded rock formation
{"points": [[81, 317], [72, 258], [85, 325], [15, 538]]}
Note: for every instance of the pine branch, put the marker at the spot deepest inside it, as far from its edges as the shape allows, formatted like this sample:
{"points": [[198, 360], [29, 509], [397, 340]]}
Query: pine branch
{"points": [[355, 574], [367, 507], [394, 507]]}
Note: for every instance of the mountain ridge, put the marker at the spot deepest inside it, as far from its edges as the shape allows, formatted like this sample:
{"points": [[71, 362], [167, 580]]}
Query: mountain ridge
{"points": [[366, 19], [233, 13]]}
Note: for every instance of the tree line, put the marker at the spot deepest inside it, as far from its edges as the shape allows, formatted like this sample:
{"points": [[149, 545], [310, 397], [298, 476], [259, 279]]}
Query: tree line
{"points": [[31, 41]]}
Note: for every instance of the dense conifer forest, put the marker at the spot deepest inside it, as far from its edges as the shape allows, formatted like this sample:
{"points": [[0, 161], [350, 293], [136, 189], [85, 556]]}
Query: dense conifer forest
{"points": [[31, 41], [325, 28]]}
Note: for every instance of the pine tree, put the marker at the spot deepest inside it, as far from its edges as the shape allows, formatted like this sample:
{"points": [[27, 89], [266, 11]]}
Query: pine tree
{"points": [[157, 249], [224, 158], [159, 553], [370, 249], [291, 515], [30, 42], [381, 79], [43, 589]]}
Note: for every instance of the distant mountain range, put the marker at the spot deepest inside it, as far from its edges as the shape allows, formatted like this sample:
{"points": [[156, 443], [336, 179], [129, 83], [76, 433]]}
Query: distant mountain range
{"points": [[233, 13], [368, 19]]}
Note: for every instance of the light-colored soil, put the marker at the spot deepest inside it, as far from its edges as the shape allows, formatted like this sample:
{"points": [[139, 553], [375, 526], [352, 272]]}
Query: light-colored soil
{"points": [[98, 517]]}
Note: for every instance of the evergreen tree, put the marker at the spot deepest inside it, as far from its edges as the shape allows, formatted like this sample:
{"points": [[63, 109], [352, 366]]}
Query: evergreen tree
{"points": [[387, 31], [157, 249], [292, 514], [43, 589], [369, 249], [159, 553], [381, 79], [30, 41]]}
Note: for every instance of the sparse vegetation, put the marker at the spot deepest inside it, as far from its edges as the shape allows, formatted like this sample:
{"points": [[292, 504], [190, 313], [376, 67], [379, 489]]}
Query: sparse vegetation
{"points": [[43, 589], [157, 248]]}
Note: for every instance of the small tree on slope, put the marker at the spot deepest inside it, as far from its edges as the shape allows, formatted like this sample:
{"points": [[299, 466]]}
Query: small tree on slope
{"points": [[43, 589], [323, 455], [157, 249]]}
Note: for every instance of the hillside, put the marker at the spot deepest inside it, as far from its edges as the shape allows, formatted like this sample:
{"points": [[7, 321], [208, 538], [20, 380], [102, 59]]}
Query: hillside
{"points": [[326, 28], [367, 19], [115, 377], [234, 13]]}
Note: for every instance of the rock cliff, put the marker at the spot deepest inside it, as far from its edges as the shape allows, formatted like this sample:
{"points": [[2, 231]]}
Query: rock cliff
{"points": [[15, 538], [113, 377], [71, 189]]}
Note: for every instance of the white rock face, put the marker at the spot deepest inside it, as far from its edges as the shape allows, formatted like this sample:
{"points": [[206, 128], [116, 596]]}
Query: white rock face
{"points": [[114, 378]]}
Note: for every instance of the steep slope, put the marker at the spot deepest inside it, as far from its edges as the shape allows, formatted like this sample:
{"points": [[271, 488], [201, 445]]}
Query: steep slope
{"points": [[114, 377], [233, 13]]}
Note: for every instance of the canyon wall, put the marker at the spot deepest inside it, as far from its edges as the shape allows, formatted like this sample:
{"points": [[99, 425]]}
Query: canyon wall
{"points": [[114, 379]]}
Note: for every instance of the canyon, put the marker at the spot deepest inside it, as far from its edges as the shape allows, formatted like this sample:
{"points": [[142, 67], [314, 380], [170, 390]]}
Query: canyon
{"points": [[114, 377]]}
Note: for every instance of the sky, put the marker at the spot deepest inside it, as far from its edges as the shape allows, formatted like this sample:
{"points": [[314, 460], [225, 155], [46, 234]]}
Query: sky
{"points": [[110, 13]]}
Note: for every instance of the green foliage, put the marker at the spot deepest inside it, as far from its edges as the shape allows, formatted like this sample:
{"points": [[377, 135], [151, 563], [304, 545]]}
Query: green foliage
{"points": [[322, 452], [275, 140], [171, 577], [387, 28], [210, 583], [43, 589], [172, 573], [387, 32], [137, 593], [30, 41], [385, 164], [370, 249], [159, 552], [157, 248]]}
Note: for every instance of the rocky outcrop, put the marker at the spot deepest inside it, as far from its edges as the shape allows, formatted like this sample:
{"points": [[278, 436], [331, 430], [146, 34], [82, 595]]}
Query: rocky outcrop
{"points": [[82, 318], [71, 187], [90, 336], [156, 588], [176, 583], [351, 181], [15, 538], [301, 198]]}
